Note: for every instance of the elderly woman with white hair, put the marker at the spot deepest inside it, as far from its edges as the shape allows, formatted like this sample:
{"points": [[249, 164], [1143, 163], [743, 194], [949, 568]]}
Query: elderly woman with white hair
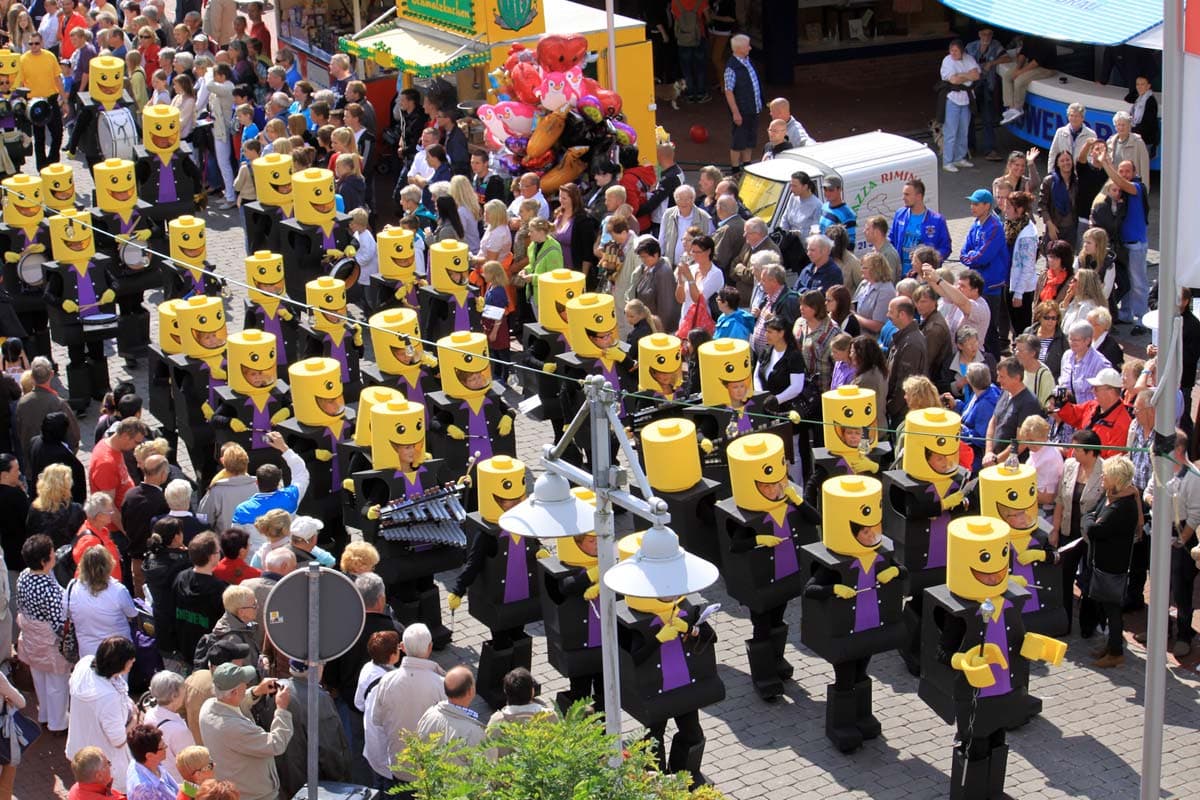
{"points": [[1080, 362], [1125, 145], [166, 689], [178, 494], [240, 618]]}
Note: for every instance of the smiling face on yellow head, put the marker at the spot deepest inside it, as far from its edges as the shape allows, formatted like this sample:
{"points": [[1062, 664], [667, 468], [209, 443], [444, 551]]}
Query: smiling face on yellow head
{"points": [[187, 239], [555, 289], [1010, 494], [58, 186], [592, 324], [170, 336], [160, 130], [397, 260], [847, 410], [449, 267], [23, 201], [931, 444], [397, 435], [977, 557], [660, 363], [852, 515], [106, 80], [314, 203], [725, 373], [71, 238], [466, 371], [10, 65], [202, 327], [370, 397], [327, 296], [264, 270], [671, 453], [388, 329], [252, 366], [501, 483], [317, 395], [758, 471], [116, 189], [273, 179]]}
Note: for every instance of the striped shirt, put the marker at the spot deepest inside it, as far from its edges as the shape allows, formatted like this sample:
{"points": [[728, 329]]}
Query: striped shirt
{"points": [[1076, 371], [840, 215]]}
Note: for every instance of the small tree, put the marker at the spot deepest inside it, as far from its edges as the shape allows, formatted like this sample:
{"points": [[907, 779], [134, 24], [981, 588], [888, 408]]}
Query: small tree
{"points": [[547, 760]]}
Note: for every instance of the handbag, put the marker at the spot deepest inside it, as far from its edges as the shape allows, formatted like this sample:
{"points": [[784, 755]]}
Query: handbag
{"points": [[1107, 587], [68, 642], [17, 733], [697, 316]]}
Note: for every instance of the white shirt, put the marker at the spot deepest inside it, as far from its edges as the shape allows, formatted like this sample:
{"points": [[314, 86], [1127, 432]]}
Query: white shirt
{"points": [[496, 240], [420, 166], [97, 617], [802, 215], [375, 738], [952, 67], [1048, 462], [709, 285], [681, 226], [176, 735], [366, 255], [48, 28], [514, 208]]}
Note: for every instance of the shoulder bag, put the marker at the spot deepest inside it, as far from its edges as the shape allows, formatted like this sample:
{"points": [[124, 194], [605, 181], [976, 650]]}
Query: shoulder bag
{"points": [[68, 642]]}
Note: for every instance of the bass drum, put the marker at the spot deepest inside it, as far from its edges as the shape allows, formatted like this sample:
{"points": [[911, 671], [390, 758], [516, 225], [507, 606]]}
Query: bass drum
{"points": [[38, 111], [117, 132], [346, 269], [29, 272]]}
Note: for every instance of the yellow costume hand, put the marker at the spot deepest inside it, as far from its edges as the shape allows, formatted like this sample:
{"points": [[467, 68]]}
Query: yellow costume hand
{"points": [[593, 574], [286, 315], [237, 426], [207, 411], [348, 485], [12, 258], [864, 465], [1037, 647], [888, 575], [952, 501], [323, 455], [1018, 580], [706, 446], [792, 493], [107, 296], [506, 425], [845, 592], [550, 367], [666, 633], [373, 512], [142, 235], [615, 353], [976, 669], [456, 433], [70, 306], [39, 248], [542, 553], [351, 250], [764, 540], [429, 360], [358, 337], [592, 592], [1031, 557], [794, 417], [334, 255], [479, 304], [454, 601], [280, 415]]}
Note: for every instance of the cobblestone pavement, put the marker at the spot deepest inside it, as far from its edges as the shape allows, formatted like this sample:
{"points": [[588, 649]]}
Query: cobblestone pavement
{"points": [[1086, 743]]}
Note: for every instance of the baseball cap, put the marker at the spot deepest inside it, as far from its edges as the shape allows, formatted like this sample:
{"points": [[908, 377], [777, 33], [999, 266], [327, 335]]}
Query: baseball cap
{"points": [[1106, 377], [306, 527], [200, 37], [226, 650], [231, 676], [832, 182], [982, 196]]}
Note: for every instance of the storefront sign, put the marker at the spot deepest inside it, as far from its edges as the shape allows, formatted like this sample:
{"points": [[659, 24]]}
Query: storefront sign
{"points": [[515, 15], [1043, 116], [455, 14]]}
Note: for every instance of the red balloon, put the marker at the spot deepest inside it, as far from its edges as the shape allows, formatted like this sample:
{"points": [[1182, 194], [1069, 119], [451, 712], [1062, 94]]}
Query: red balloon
{"points": [[698, 134]]}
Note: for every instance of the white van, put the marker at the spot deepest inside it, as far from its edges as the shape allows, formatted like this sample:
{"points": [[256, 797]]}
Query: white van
{"points": [[873, 167]]}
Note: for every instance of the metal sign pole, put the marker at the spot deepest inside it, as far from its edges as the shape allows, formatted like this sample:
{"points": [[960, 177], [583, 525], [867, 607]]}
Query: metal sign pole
{"points": [[314, 687]]}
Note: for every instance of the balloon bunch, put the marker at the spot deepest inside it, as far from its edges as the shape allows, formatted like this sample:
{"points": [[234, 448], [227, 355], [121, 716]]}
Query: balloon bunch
{"points": [[549, 117]]}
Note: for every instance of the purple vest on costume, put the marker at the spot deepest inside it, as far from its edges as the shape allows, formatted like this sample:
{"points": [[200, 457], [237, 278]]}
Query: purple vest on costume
{"points": [[937, 530], [479, 439], [785, 552], [166, 182], [997, 634], [462, 313], [262, 423], [1026, 571], [337, 351], [213, 385], [335, 467], [85, 293], [866, 605], [674, 667], [328, 240], [412, 389], [274, 325], [411, 487], [516, 572], [593, 623]]}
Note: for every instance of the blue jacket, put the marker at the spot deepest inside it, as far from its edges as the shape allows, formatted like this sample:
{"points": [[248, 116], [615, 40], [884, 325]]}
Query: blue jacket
{"points": [[986, 251], [735, 325], [976, 414], [933, 233]]}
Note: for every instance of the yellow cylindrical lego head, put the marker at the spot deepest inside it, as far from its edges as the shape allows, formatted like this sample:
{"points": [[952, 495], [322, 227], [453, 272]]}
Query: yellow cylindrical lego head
{"points": [[71, 238], [1010, 494], [160, 130], [671, 453], [628, 544], [170, 335], [264, 270], [852, 515], [579, 551], [187, 239], [252, 367], [58, 186], [397, 435], [977, 557], [116, 188], [370, 397], [591, 324], [931, 444], [23, 201], [106, 80], [202, 326], [449, 267], [502, 483], [397, 259], [317, 394], [555, 289], [466, 371], [10, 63], [393, 353], [314, 201], [273, 179], [848, 410], [725, 377], [327, 296], [660, 364], [758, 471]]}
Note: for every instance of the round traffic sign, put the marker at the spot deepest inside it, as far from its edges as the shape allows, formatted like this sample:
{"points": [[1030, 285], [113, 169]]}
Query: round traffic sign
{"points": [[340, 614]]}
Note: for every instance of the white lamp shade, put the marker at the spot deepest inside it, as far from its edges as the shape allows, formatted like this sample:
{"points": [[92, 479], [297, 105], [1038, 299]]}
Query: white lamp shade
{"points": [[661, 568], [550, 512]]}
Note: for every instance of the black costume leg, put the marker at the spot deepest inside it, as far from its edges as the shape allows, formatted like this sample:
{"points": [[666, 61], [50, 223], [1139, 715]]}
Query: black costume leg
{"points": [[911, 651], [762, 654], [687, 747], [864, 717], [841, 710], [779, 636], [430, 611], [79, 377], [507, 650], [657, 733]]}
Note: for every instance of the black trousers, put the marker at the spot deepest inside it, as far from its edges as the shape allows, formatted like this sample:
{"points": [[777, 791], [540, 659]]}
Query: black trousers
{"points": [[763, 621], [1183, 581], [689, 733], [849, 673], [53, 127], [1116, 632]]}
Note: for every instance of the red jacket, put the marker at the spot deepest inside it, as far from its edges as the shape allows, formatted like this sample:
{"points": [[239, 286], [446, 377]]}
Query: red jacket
{"points": [[1111, 426], [234, 570], [93, 791], [638, 181], [87, 538]]}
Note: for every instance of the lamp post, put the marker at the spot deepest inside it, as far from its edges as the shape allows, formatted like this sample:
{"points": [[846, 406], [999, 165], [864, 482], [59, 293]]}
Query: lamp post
{"points": [[551, 512]]}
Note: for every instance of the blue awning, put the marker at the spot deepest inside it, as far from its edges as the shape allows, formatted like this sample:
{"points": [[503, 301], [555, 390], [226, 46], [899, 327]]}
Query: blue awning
{"points": [[1106, 22]]}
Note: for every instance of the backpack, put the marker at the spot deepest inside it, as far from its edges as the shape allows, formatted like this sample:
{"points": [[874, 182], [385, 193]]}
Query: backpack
{"points": [[64, 557], [687, 26]]}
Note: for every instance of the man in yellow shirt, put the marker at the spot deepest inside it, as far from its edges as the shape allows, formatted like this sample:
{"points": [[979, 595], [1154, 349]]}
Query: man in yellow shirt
{"points": [[40, 74]]}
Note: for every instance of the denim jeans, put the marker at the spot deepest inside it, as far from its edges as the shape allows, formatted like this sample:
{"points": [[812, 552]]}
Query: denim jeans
{"points": [[224, 159], [1136, 303], [954, 132], [693, 62]]}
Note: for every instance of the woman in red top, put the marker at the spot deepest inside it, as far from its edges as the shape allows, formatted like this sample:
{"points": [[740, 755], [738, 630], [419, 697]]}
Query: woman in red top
{"points": [[100, 511], [232, 568], [148, 47]]}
